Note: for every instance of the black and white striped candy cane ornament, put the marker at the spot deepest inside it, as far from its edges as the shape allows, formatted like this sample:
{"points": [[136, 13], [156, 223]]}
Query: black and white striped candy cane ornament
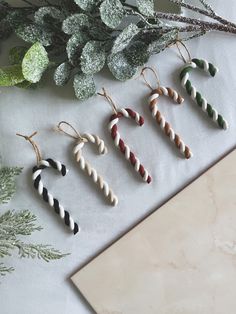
{"points": [[118, 141], [160, 119], [42, 190], [84, 165], [195, 95]]}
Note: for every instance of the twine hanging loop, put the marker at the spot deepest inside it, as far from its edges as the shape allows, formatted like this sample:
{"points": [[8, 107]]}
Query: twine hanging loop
{"points": [[34, 145], [155, 74], [109, 99]]}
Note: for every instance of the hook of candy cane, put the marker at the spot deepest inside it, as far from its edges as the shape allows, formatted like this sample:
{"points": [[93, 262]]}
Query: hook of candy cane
{"points": [[38, 184], [160, 119], [196, 96], [47, 197], [124, 148], [165, 126], [84, 165]]}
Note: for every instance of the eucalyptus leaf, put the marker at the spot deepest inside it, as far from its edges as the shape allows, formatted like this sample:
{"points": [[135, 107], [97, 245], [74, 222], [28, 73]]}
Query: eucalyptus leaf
{"points": [[112, 12], [75, 45], [124, 38], [16, 54], [93, 57], [75, 23], [11, 75], [120, 67], [43, 13], [84, 86], [35, 62], [16, 18], [146, 7], [62, 73], [32, 33], [87, 5], [160, 44], [137, 53]]}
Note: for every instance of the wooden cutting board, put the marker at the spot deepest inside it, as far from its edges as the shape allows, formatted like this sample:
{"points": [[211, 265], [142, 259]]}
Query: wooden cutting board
{"points": [[179, 260]]}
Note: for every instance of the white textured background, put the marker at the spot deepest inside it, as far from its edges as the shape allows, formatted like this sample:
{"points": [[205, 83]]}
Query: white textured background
{"points": [[37, 287]]}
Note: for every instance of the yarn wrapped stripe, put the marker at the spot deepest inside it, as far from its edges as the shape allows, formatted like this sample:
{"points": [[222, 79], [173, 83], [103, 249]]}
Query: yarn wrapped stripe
{"points": [[124, 148], [196, 96], [47, 197], [160, 119], [90, 171]]}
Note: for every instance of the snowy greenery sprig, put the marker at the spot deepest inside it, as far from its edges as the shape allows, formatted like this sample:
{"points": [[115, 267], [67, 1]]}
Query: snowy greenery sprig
{"points": [[14, 225], [79, 37]]}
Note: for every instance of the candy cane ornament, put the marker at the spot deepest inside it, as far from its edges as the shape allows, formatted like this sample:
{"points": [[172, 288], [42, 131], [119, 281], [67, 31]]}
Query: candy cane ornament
{"points": [[84, 165], [196, 96], [42, 190], [160, 119], [118, 141]]}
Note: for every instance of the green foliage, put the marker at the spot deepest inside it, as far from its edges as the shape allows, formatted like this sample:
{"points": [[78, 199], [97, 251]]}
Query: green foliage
{"points": [[16, 54], [120, 67], [124, 38], [84, 86], [7, 182], [41, 16], [14, 225], [137, 53], [93, 57], [35, 62], [77, 38], [112, 13], [159, 44], [75, 23], [75, 46], [11, 75], [146, 7], [62, 73], [87, 5], [32, 33]]}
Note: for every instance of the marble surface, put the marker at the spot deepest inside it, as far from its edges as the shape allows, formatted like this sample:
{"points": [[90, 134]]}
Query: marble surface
{"points": [[180, 260], [40, 287]]}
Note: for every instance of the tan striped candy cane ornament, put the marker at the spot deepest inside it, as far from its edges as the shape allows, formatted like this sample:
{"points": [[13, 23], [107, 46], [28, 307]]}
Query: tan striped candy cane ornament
{"points": [[118, 141], [43, 191], [81, 140], [158, 116]]}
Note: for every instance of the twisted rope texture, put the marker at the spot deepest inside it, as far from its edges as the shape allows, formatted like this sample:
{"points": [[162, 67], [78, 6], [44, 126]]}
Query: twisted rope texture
{"points": [[124, 148], [196, 96], [160, 119], [47, 197], [90, 171]]}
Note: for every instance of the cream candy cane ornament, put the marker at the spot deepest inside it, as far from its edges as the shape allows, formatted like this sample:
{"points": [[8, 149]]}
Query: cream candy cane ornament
{"points": [[118, 141], [43, 191], [158, 116], [81, 140]]}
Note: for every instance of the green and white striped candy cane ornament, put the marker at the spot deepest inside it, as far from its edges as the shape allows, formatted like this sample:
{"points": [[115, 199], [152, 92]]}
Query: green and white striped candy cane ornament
{"points": [[192, 91]]}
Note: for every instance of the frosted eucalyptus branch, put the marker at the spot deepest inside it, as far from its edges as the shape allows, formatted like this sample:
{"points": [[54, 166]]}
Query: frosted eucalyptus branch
{"points": [[210, 13], [204, 25], [77, 38]]}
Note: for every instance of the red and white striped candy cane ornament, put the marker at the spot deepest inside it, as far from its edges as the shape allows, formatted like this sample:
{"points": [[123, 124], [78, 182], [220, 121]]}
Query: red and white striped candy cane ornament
{"points": [[42, 190], [119, 143], [160, 119], [84, 165]]}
